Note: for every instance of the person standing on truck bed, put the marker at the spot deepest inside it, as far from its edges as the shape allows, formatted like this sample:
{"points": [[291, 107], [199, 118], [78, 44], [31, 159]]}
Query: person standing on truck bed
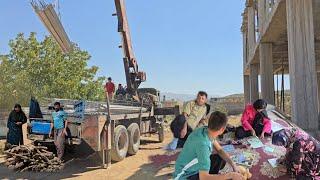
{"points": [[15, 121], [109, 88], [59, 126]]}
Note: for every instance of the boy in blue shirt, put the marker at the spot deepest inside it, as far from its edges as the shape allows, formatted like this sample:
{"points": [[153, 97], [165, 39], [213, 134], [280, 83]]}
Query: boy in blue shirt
{"points": [[59, 125], [196, 160]]}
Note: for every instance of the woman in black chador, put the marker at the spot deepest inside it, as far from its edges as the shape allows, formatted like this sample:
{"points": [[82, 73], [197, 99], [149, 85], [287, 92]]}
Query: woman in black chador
{"points": [[15, 121]]}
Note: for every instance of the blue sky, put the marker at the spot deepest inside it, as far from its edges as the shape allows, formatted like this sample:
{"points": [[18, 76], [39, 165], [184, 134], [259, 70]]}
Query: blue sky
{"points": [[183, 45]]}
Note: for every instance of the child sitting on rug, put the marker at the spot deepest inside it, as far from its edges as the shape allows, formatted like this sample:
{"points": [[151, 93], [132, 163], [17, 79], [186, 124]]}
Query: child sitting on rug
{"points": [[302, 160], [255, 121], [196, 160]]}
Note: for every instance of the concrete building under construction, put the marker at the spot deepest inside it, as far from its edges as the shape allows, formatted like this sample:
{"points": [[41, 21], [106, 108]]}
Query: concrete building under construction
{"points": [[283, 36]]}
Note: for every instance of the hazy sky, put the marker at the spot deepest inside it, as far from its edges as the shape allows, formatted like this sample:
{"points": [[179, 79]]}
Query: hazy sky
{"points": [[183, 45]]}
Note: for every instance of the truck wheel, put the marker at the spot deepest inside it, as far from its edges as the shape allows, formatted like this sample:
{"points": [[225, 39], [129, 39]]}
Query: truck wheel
{"points": [[120, 146], [161, 133], [134, 138]]}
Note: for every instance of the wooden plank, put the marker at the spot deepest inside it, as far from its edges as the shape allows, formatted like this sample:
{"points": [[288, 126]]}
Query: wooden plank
{"points": [[301, 49], [42, 16], [266, 72], [59, 27], [50, 28], [25, 134], [254, 88]]}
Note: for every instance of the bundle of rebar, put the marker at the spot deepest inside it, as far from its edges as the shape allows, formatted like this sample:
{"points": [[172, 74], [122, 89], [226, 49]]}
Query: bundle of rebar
{"points": [[50, 19], [33, 158]]}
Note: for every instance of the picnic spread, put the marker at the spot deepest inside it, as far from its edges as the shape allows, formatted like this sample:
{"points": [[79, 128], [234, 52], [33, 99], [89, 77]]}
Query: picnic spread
{"points": [[257, 155]]}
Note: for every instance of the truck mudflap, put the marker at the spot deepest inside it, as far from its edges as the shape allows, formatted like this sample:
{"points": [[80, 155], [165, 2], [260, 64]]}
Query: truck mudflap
{"points": [[167, 111]]}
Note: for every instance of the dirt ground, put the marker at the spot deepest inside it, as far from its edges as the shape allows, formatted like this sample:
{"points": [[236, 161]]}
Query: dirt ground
{"points": [[138, 166]]}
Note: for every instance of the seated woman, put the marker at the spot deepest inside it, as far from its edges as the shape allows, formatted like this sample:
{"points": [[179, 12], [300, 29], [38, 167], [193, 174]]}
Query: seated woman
{"points": [[254, 121], [302, 160]]}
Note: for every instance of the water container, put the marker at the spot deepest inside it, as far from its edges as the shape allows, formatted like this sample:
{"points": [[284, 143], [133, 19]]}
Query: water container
{"points": [[40, 127]]}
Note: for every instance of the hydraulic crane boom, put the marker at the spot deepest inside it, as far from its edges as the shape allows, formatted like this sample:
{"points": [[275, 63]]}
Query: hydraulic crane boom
{"points": [[133, 76]]}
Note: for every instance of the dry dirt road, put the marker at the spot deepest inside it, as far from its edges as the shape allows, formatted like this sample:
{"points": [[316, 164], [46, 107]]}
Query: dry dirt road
{"points": [[151, 162], [140, 166]]}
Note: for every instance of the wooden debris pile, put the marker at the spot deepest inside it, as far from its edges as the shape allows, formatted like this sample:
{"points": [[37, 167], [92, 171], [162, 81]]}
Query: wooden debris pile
{"points": [[33, 158]]}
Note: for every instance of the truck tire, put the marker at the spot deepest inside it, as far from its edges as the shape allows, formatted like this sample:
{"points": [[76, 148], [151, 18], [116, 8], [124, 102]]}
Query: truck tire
{"points": [[161, 133], [121, 142], [134, 138]]}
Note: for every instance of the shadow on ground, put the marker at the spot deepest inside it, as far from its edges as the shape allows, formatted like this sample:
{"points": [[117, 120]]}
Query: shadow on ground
{"points": [[147, 171], [161, 166]]}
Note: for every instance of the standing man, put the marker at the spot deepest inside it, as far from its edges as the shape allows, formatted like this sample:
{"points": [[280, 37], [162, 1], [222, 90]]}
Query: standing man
{"points": [[195, 111], [109, 88], [59, 126], [196, 160]]}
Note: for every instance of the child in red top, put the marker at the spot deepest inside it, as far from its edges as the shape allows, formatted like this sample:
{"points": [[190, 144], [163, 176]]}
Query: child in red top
{"points": [[254, 121]]}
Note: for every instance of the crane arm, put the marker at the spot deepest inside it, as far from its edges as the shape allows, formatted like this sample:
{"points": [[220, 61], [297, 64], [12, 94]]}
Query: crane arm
{"points": [[133, 76]]}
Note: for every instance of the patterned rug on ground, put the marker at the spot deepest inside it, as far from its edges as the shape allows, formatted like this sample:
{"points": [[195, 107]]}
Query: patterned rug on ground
{"points": [[260, 168]]}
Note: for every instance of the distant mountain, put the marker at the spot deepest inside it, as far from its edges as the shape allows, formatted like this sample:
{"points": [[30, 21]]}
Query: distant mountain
{"points": [[286, 92], [234, 96], [177, 97], [181, 97]]}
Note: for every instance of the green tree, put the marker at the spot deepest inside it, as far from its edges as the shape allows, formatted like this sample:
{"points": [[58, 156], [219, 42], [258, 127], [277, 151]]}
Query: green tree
{"points": [[40, 69]]}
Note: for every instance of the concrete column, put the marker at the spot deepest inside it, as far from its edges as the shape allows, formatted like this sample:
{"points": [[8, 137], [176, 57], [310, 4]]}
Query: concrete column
{"points": [[302, 66], [246, 79], [268, 6], [254, 89], [245, 50], [251, 31], [246, 88], [266, 72], [261, 14]]}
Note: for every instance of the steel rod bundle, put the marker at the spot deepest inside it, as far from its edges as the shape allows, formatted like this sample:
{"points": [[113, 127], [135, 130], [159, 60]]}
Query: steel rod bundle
{"points": [[50, 19]]}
